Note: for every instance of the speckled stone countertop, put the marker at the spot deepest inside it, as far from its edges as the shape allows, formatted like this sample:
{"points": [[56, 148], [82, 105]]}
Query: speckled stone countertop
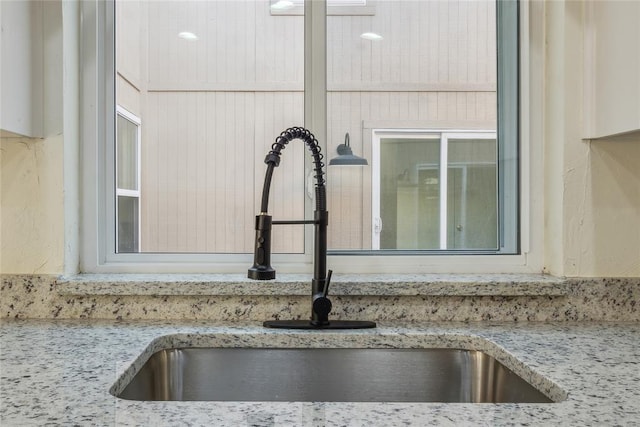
{"points": [[406, 298], [59, 372], [297, 284]]}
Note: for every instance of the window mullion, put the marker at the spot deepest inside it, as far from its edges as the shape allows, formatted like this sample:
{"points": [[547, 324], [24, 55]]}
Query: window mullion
{"points": [[444, 175], [508, 124], [315, 89]]}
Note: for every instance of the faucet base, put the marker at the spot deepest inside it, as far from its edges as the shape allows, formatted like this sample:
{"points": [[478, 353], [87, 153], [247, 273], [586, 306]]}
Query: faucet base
{"points": [[306, 324]]}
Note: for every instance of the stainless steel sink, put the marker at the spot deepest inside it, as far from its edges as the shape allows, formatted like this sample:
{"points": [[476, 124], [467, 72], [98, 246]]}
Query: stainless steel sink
{"points": [[328, 375]]}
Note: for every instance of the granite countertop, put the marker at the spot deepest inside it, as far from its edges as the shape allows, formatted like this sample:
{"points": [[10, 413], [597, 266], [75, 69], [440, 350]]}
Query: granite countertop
{"points": [[405, 298], [297, 284], [59, 372]]}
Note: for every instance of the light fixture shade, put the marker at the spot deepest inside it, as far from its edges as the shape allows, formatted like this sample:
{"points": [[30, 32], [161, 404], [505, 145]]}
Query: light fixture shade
{"points": [[346, 156], [348, 160]]}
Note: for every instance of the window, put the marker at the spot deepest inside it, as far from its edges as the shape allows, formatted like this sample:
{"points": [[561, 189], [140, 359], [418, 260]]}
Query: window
{"points": [[216, 81], [127, 181]]}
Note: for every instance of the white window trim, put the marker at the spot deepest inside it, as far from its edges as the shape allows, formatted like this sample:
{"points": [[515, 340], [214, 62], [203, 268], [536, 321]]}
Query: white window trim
{"points": [[95, 134]]}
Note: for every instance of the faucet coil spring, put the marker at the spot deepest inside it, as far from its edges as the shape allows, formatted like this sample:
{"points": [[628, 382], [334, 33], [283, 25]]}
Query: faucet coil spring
{"points": [[312, 143], [273, 160]]}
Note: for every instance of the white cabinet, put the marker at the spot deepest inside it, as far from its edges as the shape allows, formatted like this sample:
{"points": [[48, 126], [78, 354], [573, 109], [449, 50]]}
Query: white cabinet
{"points": [[31, 67], [612, 68]]}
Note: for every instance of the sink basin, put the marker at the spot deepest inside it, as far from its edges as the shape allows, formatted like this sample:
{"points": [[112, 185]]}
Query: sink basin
{"points": [[328, 375]]}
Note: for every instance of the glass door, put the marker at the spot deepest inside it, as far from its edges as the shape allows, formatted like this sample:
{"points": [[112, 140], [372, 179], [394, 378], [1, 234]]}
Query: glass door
{"points": [[420, 205]]}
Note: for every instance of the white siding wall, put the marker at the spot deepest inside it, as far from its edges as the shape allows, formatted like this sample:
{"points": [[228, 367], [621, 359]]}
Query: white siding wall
{"points": [[212, 108], [439, 45], [203, 170]]}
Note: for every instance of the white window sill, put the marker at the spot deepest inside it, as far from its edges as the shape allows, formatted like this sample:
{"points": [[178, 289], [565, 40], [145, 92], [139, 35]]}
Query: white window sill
{"points": [[299, 284]]}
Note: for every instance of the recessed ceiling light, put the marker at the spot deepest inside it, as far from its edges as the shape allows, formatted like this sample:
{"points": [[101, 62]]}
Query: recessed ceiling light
{"points": [[282, 5], [371, 36], [187, 35]]}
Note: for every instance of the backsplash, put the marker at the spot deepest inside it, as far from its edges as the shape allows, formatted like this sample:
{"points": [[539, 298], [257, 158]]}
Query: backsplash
{"points": [[575, 299]]}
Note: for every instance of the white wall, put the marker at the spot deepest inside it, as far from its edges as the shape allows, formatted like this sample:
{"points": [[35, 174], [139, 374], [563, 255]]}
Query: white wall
{"points": [[31, 205], [602, 208], [592, 188]]}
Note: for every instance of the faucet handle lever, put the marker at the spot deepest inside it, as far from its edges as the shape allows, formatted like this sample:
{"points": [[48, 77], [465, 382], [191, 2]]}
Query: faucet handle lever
{"points": [[325, 291]]}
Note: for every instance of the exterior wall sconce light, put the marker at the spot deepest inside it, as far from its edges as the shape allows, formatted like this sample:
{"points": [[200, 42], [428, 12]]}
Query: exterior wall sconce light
{"points": [[346, 156]]}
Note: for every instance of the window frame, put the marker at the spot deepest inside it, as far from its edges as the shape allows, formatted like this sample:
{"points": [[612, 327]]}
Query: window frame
{"points": [[97, 133], [443, 136]]}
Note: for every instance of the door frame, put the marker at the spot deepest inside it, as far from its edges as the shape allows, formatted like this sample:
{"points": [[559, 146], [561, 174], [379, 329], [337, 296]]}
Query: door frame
{"points": [[377, 137]]}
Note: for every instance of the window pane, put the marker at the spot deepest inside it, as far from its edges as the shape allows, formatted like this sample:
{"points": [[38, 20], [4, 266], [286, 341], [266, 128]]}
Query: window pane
{"points": [[472, 200], [410, 194], [420, 65], [214, 82], [127, 149], [128, 225]]}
